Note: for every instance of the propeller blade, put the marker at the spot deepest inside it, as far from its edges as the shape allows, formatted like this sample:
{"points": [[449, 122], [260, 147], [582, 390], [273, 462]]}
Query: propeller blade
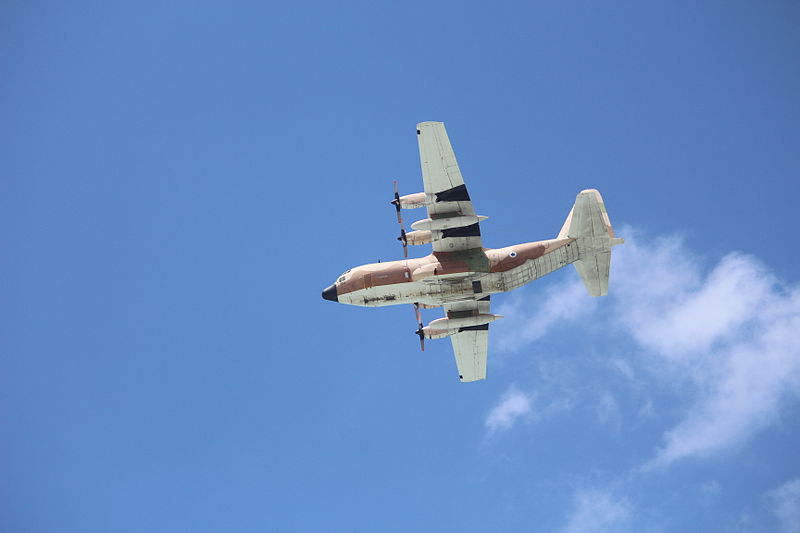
{"points": [[402, 238], [396, 204], [421, 339], [421, 330]]}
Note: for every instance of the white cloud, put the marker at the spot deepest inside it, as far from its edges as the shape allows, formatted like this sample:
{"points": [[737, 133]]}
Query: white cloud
{"points": [[597, 511], [732, 333], [785, 503], [560, 303], [725, 340], [742, 392], [512, 405], [666, 304]]}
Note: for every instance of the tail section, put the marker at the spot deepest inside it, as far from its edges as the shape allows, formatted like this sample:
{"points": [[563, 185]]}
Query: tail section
{"points": [[587, 218], [594, 272], [589, 225]]}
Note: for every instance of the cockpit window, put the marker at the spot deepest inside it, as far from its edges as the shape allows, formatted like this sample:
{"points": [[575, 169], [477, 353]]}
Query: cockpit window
{"points": [[343, 277]]}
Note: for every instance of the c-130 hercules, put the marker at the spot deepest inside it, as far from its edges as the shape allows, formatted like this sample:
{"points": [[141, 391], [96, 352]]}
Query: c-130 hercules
{"points": [[461, 275]]}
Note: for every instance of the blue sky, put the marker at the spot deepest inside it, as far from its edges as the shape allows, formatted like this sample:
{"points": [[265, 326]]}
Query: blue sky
{"points": [[179, 181]]}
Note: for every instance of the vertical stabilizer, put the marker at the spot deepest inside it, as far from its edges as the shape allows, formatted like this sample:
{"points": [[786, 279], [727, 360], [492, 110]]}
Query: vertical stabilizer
{"points": [[589, 225], [588, 217]]}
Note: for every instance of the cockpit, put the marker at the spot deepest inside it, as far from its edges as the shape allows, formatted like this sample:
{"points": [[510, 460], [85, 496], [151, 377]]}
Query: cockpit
{"points": [[332, 292], [343, 277]]}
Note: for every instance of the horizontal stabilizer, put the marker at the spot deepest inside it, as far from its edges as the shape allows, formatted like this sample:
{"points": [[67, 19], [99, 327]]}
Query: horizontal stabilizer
{"points": [[593, 271]]}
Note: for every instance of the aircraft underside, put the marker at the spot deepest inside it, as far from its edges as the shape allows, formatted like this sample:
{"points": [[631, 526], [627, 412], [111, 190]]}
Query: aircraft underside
{"points": [[461, 274], [433, 291]]}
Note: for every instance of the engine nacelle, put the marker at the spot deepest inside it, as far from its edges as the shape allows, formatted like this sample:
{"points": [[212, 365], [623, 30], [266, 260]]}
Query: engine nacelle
{"points": [[446, 327], [462, 322], [412, 201], [441, 224], [415, 238], [431, 333]]}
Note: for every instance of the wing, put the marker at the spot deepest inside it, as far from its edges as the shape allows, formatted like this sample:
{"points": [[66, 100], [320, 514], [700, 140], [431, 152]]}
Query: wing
{"points": [[471, 345], [445, 190]]}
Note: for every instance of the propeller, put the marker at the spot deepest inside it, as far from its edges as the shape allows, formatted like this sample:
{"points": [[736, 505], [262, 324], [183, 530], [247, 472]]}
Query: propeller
{"points": [[402, 238], [421, 330]]}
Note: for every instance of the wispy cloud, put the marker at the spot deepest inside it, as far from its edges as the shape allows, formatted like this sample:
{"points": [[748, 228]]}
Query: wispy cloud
{"points": [[726, 337], [663, 300], [731, 332], [512, 405], [608, 411], [597, 511], [560, 303], [785, 503]]}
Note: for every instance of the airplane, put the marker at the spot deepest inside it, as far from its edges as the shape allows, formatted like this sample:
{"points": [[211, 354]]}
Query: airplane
{"points": [[461, 275]]}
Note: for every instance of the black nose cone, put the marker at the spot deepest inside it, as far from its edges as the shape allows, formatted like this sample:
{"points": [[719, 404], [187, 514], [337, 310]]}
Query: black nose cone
{"points": [[331, 294]]}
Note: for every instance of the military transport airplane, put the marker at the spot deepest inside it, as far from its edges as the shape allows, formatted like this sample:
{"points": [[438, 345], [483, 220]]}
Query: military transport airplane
{"points": [[461, 275]]}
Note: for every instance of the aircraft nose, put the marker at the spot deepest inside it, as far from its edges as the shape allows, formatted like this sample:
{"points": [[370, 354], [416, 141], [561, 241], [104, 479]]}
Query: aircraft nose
{"points": [[331, 294]]}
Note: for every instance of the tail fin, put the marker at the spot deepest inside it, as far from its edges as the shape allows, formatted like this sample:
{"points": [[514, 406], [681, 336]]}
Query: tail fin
{"points": [[587, 218], [589, 224]]}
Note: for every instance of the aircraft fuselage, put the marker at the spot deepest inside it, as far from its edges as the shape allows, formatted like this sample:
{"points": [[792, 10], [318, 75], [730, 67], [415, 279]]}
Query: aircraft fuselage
{"points": [[443, 277]]}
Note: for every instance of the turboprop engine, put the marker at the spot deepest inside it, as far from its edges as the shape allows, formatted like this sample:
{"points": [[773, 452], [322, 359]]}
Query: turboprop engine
{"points": [[447, 222], [415, 238], [412, 201], [409, 201], [444, 327]]}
